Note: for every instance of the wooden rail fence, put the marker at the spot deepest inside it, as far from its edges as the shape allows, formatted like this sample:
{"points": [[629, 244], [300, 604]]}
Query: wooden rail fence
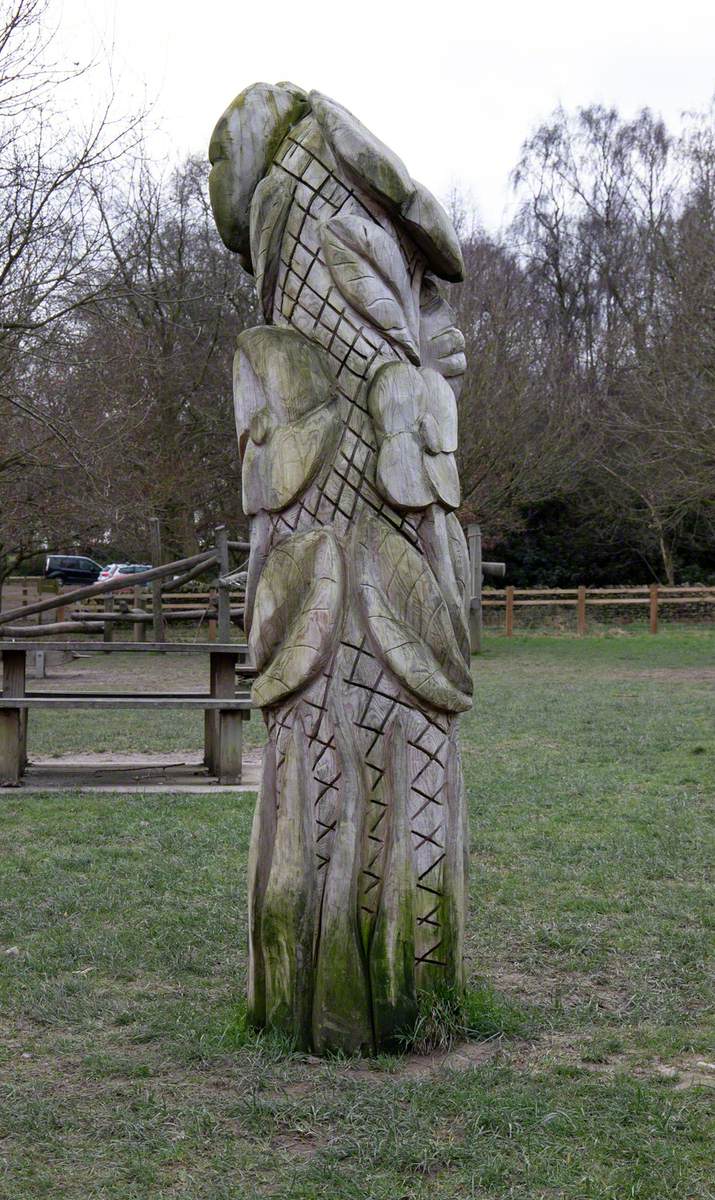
{"points": [[654, 597]]}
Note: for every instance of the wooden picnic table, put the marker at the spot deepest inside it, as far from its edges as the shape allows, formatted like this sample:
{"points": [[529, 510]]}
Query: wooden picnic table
{"points": [[224, 708]]}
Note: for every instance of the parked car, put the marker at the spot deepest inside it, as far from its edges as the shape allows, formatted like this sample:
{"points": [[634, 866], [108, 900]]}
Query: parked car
{"points": [[71, 568], [118, 570]]}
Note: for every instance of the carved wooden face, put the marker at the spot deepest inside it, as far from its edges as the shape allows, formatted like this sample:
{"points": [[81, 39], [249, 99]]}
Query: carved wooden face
{"points": [[441, 342]]}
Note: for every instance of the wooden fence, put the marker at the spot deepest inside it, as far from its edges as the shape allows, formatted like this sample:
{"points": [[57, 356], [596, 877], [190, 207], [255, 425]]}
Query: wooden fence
{"points": [[654, 598], [80, 609]]}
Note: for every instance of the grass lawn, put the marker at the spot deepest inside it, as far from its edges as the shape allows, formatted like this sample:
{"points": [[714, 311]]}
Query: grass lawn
{"points": [[125, 1069]]}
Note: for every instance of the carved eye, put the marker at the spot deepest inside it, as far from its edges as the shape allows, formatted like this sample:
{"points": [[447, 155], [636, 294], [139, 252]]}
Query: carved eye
{"points": [[260, 426]]}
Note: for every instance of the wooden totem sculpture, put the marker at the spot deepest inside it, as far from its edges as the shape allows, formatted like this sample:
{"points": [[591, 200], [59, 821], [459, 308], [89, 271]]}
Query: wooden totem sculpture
{"points": [[357, 583]]}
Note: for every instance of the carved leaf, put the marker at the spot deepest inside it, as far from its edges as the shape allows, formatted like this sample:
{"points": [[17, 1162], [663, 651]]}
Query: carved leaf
{"points": [[296, 614], [368, 268], [408, 619], [269, 212], [287, 914], [434, 233], [367, 160], [241, 151], [459, 555], [442, 473], [286, 462]]}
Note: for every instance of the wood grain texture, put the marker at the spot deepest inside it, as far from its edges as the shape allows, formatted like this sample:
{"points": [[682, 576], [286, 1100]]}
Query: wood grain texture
{"points": [[356, 594]]}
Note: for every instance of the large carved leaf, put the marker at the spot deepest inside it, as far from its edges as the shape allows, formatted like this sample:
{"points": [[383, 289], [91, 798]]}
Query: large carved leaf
{"points": [[296, 614], [269, 212], [367, 160], [275, 472], [241, 152], [459, 555], [408, 619], [434, 233], [368, 268]]}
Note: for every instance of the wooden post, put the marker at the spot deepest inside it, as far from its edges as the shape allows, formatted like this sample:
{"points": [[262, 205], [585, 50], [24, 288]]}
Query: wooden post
{"points": [[139, 626], [212, 605], [224, 733], [474, 542], [13, 721], [581, 611], [224, 599], [155, 534], [211, 723], [108, 632], [509, 610], [654, 608]]}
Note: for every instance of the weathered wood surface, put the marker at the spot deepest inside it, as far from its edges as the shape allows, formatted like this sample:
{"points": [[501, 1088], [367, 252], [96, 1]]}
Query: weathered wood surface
{"points": [[51, 629], [13, 719], [358, 584]]}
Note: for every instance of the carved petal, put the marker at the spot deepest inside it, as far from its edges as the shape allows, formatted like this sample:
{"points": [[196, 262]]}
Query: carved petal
{"points": [[241, 151], [441, 405], [366, 159], [432, 230], [276, 472], [441, 470], [459, 554], [415, 416], [396, 399], [281, 369], [296, 614], [408, 619], [401, 476], [368, 268], [286, 416], [269, 211]]}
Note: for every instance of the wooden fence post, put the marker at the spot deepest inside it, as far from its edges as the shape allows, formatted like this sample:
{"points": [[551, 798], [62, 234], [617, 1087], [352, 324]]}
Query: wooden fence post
{"points": [[654, 608], [13, 721], [509, 610], [155, 533], [224, 599], [139, 626], [108, 632], [581, 611], [474, 543], [212, 605]]}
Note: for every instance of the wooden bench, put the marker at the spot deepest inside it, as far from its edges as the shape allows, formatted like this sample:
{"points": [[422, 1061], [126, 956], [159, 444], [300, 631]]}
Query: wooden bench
{"points": [[224, 708]]}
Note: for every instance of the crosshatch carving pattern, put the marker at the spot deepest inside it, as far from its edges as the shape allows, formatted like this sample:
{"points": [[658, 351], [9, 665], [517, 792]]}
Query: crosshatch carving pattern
{"points": [[359, 731]]}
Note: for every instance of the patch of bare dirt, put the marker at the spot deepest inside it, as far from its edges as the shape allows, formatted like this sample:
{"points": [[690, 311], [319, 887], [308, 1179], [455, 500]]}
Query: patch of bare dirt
{"points": [[570, 992], [461, 1057], [671, 675]]}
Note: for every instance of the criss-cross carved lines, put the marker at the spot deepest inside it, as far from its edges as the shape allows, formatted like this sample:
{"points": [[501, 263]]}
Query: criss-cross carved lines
{"points": [[341, 193], [280, 726], [325, 771], [430, 838], [428, 918], [428, 957]]}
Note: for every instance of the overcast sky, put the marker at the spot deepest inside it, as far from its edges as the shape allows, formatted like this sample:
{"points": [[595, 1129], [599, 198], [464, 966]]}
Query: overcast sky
{"points": [[453, 87]]}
